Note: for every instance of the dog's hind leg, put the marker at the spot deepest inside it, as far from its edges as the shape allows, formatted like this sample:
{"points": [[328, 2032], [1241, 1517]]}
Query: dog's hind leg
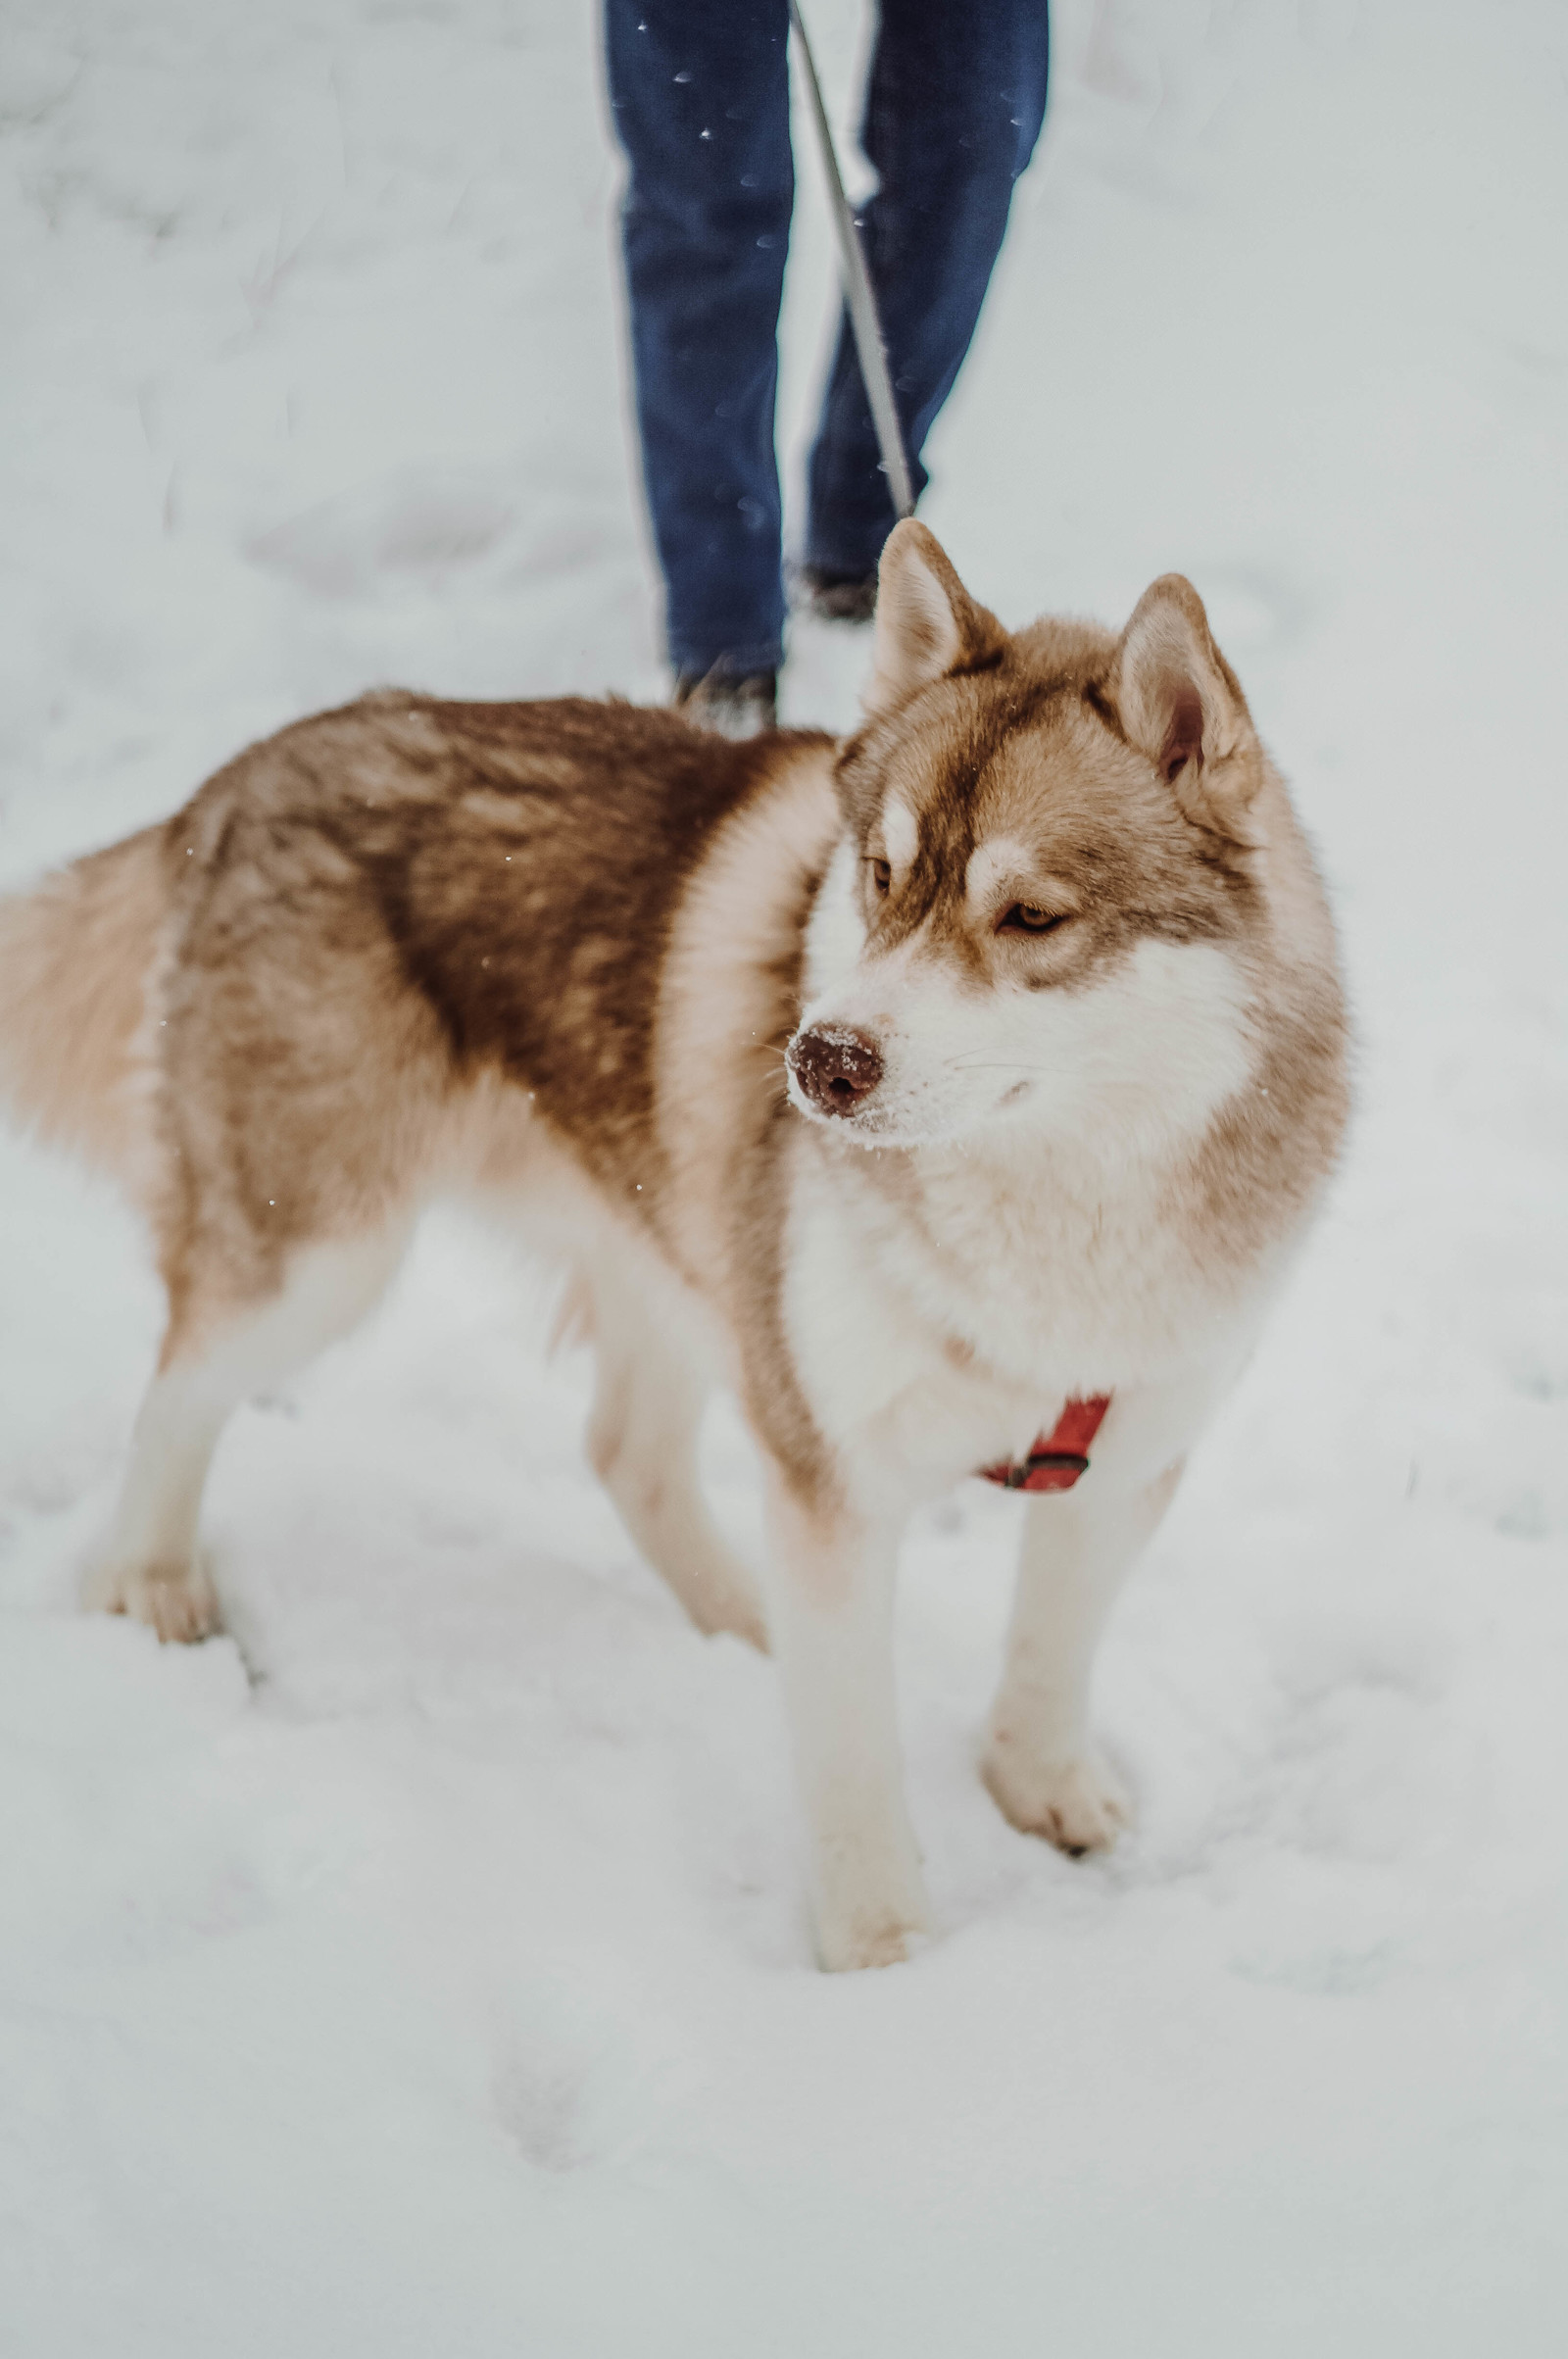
{"points": [[1041, 1768], [213, 1358], [649, 1396]]}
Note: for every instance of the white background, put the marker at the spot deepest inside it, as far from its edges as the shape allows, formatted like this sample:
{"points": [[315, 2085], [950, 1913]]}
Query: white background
{"points": [[422, 1969]]}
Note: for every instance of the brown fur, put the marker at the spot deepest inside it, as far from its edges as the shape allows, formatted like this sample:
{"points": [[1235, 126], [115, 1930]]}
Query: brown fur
{"points": [[368, 917], [78, 960], [505, 874]]}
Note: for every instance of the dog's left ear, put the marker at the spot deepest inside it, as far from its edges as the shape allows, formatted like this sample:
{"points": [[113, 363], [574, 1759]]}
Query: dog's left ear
{"points": [[1179, 703], [927, 624]]}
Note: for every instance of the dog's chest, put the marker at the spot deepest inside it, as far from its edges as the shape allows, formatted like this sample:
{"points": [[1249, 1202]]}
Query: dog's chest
{"points": [[1042, 1285], [995, 1292]]}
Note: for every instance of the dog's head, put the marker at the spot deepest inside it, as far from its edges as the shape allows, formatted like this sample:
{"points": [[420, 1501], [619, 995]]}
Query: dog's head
{"points": [[1039, 918]]}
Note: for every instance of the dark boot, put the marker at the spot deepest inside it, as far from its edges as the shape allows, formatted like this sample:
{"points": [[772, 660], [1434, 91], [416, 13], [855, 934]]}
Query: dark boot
{"points": [[732, 704]]}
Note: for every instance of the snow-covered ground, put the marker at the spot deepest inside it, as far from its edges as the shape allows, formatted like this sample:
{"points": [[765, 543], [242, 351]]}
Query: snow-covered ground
{"points": [[422, 1970]]}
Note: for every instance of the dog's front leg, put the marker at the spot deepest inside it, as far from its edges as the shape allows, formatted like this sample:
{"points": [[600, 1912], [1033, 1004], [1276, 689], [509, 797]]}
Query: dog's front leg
{"points": [[1040, 1764], [831, 1581]]}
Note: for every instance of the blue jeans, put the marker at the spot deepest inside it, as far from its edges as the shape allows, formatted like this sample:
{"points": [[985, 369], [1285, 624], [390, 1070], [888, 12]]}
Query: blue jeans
{"points": [[700, 93]]}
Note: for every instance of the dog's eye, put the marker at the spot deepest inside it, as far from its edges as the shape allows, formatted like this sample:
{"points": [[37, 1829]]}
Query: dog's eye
{"points": [[882, 874], [1027, 917]]}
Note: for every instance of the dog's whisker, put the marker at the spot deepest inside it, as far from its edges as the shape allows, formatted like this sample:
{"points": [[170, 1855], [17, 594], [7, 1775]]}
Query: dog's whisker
{"points": [[993, 1064]]}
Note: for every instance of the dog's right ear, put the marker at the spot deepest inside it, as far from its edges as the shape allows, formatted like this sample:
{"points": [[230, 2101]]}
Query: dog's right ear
{"points": [[927, 624], [1181, 704]]}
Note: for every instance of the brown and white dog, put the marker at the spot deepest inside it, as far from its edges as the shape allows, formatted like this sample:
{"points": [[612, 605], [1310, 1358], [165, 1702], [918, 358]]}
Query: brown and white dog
{"points": [[921, 1086]]}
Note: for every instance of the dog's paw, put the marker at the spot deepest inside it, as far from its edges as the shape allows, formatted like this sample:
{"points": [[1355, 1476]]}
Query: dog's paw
{"points": [[736, 1617], [864, 1942], [177, 1600], [870, 1906], [1079, 1804], [750, 1627]]}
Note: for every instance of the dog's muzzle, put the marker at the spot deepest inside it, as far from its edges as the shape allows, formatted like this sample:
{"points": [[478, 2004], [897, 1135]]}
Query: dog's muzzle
{"points": [[835, 1067]]}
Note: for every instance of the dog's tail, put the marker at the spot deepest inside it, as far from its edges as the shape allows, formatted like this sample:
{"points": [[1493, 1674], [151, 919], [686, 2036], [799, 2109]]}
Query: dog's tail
{"points": [[79, 965]]}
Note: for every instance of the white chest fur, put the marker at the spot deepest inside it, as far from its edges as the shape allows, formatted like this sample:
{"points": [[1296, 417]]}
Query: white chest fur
{"points": [[1057, 1250], [955, 1306]]}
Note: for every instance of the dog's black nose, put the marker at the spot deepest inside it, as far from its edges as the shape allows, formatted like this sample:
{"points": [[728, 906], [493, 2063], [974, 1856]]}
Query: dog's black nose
{"points": [[837, 1068]]}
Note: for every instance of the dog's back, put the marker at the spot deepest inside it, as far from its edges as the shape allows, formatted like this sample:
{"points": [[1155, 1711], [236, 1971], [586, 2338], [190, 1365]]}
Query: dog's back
{"points": [[404, 893]]}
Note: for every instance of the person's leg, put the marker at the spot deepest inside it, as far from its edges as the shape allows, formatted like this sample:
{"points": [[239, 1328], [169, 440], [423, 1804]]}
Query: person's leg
{"points": [[700, 95], [953, 105]]}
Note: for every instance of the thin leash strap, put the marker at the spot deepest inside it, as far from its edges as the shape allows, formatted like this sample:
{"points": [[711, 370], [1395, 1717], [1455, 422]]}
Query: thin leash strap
{"points": [[858, 295]]}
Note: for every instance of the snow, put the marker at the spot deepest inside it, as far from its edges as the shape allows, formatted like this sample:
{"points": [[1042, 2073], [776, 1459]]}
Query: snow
{"points": [[422, 1968]]}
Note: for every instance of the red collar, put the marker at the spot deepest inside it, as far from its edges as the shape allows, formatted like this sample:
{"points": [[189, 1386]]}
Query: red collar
{"points": [[1058, 1458]]}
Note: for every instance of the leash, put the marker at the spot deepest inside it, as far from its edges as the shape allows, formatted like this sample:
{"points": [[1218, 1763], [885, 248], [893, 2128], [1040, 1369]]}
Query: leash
{"points": [[1058, 1458], [859, 297]]}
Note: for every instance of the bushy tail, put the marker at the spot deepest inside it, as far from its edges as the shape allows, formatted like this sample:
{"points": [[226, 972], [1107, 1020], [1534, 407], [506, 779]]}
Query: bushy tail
{"points": [[78, 961]]}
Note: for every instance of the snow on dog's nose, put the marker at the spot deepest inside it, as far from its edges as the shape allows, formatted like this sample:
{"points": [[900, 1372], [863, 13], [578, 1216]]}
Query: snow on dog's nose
{"points": [[834, 1067]]}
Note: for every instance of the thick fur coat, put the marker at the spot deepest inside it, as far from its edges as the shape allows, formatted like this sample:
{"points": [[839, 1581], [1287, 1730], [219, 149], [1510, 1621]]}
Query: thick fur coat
{"points": [[915, 1086]]}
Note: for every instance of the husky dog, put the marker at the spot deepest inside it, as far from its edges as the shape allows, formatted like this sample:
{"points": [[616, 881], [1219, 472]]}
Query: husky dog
{"points": [[958, 1093]]}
